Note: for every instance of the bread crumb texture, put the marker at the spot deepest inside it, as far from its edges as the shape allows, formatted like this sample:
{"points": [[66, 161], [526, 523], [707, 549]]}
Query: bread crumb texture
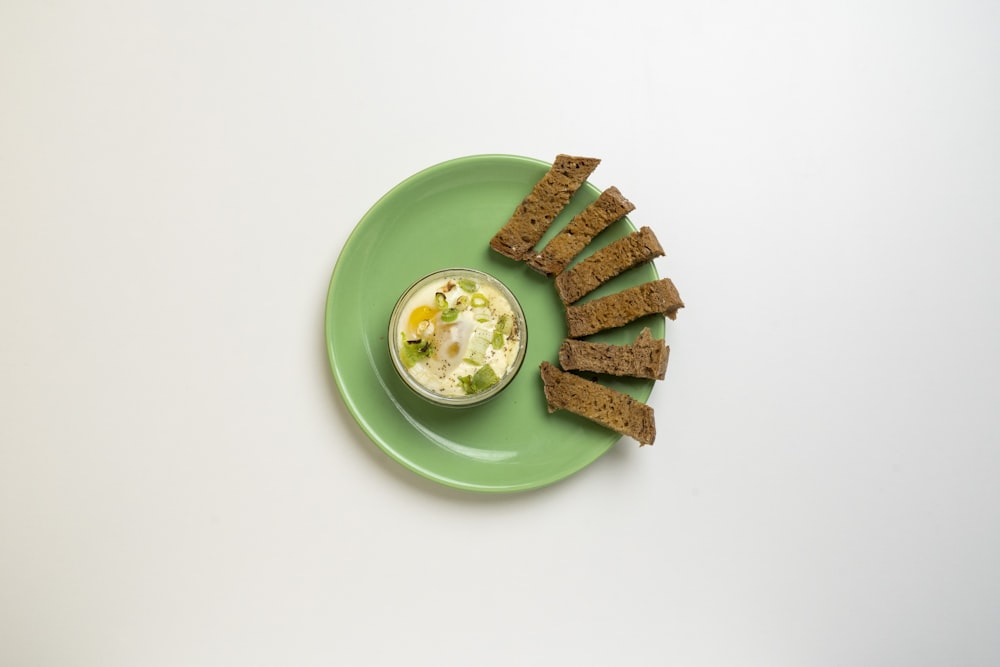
{"points": [[549, 196], [610, 207], [605, 406], [645, 358], [621, 308], [612, 260]]}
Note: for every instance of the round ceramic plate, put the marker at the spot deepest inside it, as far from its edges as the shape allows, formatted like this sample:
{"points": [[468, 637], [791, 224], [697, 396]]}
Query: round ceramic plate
{"points": [[442, 217]]}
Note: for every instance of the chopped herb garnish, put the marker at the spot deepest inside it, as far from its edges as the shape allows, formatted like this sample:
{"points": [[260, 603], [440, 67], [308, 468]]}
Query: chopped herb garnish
{"points": [[412, 351], [484, 378], [476, 352]]}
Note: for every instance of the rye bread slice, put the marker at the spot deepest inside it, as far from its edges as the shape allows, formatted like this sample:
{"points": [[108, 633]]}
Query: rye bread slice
{"points": [[645, 358], [602, 405], [608, 208], [549, 196], [613, 259], [620, 308]]}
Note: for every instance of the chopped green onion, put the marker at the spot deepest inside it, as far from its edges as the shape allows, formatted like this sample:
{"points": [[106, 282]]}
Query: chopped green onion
{"points": [[497, 340], [449, 315], [476, 352], [467, 285], [484, 377], [440, 300], [481, 314], [462, 302], [504, 325], [412, 351], [479, 301]]}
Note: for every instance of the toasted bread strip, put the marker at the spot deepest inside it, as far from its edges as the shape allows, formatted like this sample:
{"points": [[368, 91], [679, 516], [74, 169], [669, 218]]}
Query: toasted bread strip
{"points": [[602, 405], [620, 308], [611, 260], [549, 196], [609, 207], [645, 358]]}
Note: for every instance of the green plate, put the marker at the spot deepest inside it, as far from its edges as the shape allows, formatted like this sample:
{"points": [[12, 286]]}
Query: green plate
{"points": [[445, 216]]}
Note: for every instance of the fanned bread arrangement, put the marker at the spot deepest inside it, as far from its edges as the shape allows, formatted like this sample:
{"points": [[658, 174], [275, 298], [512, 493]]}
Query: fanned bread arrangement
{"points": [[645, 358]]}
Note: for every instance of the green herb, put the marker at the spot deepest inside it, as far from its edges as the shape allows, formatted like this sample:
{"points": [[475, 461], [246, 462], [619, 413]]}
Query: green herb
{"points": [[467, 285], [412, 351], [440, 300], [449, 315], [476, 352], [484, 378]]}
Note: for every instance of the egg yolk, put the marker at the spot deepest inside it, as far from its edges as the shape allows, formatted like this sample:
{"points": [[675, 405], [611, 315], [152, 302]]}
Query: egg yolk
{"points": [[419, 314]]}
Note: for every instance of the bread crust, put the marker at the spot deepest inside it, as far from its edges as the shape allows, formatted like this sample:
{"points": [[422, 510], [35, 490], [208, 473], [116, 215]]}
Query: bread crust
{"points": [[612, 260], [618, 309], [645, 358], [549, 196], [605, 406], [557, 254]]}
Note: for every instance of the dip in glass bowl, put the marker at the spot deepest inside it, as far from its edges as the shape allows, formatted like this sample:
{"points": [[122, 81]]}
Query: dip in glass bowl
{"points": [[457, 337]]}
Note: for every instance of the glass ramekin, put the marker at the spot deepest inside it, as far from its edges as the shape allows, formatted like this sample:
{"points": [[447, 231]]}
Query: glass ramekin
{"points": [[429, 394]]}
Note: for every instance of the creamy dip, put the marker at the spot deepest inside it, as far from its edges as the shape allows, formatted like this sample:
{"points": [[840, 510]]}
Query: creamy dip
{"points": [[458, 336]]}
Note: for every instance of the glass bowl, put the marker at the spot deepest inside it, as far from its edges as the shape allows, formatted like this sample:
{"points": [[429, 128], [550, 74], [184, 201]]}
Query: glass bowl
{"points": [[457, 337]]}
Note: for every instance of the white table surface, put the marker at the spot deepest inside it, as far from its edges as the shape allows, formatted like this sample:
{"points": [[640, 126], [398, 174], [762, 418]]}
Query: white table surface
{"points": [[181, 483]]}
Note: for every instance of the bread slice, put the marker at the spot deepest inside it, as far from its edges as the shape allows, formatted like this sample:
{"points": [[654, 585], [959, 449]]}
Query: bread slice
{"points": [[549, 196], [602, 405], [645, 358], [611, 260], [620, 308], [609, 207]]}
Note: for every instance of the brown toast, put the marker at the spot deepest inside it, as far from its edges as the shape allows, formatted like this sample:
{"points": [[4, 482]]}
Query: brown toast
{"points": [[620, 308], [611, 260], [602, 405], [609, 207], [645, 358], [549, 196]]}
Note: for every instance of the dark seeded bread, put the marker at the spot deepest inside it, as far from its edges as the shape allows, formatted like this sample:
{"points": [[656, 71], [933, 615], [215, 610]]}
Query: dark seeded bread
{"points": [[645, 358], [610, 207], [620, 308], [611, 260], [549, 196], [603, 405]]}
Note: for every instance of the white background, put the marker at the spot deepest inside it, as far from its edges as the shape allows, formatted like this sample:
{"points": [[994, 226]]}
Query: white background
{"points": [[180, 483]]}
